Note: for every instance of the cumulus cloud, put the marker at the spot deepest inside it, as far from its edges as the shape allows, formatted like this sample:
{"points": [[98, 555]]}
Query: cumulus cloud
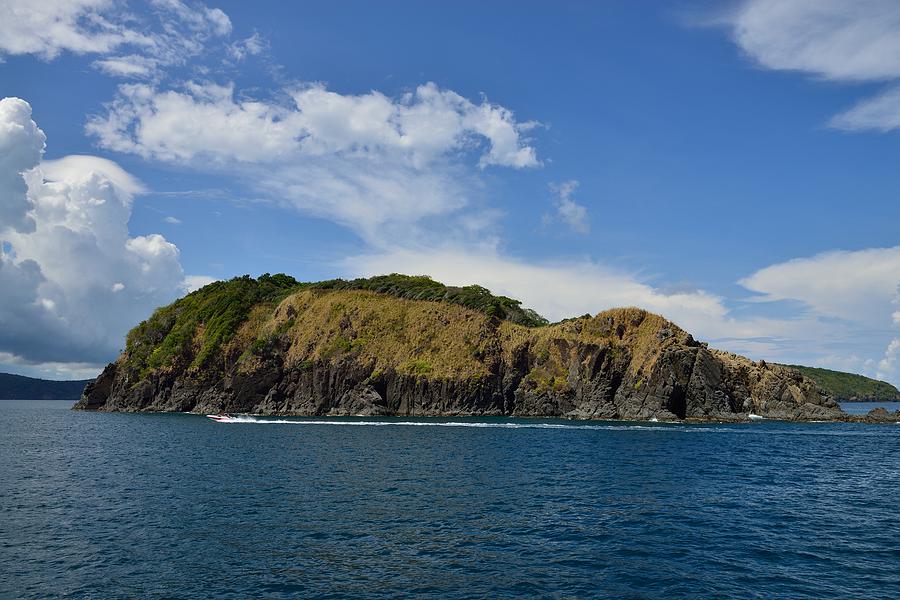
{"points": [[832, 39], [21, 147], [74, 282], [567, 210], [131, 45], [368, 161], [205, 119]]}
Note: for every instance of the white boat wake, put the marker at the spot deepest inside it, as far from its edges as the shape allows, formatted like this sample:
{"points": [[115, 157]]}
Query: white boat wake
{"points": [[245, 419]]}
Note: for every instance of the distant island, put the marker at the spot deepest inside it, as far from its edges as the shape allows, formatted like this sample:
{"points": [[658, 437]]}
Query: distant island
{"points": [[850, 387], [403, 345], [19, 387]]}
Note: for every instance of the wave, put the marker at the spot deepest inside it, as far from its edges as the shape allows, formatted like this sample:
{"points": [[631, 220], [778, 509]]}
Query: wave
{"points": [[662, 427]]}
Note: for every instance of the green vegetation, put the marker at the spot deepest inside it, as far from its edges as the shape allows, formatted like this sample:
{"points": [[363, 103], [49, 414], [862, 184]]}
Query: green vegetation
{"points": [[417, 367], [19, 387], [339, 345], [204, 321], [213, 314], [845, 386], [550, 378]]}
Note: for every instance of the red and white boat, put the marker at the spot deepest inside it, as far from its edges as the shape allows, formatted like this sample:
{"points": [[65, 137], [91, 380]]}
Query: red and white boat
{"points": [[222, 418]]}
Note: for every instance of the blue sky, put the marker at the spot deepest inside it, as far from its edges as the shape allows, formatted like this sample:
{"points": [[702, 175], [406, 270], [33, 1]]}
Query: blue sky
{"points": [[714, 162]]}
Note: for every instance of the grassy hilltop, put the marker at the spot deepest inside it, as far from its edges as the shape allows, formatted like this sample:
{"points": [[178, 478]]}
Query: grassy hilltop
{"points": [[208, 319], [849, 386]]}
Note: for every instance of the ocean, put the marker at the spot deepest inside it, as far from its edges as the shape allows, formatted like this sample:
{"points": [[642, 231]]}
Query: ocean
{"points": [[176, 506]]}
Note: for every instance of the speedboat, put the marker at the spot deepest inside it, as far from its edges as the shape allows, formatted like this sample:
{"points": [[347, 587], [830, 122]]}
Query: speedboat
{"points": [[220, 418]]}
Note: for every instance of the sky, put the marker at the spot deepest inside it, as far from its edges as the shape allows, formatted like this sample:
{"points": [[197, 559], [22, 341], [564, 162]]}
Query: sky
{"points": [[733, 166]]}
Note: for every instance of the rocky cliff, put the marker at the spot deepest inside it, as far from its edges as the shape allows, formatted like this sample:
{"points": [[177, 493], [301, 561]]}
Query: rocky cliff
{"points": [[273, 346]]}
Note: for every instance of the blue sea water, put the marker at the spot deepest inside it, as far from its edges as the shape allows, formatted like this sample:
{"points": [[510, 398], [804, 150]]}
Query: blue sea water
{"points": [[175, 506]]}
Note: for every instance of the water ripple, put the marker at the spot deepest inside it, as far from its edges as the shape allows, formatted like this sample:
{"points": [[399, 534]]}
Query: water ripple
{"points": [[109, 506]]}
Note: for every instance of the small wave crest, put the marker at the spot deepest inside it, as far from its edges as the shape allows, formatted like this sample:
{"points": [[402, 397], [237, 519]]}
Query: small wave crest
{"points": [[245, 419]]}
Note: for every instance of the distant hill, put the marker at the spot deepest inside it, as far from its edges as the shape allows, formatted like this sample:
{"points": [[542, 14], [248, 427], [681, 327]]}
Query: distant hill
{"points": [[849, 386], [18, 387]]}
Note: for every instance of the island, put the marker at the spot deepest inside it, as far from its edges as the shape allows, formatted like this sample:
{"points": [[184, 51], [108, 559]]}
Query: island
{"points": [[412, 346], [19, 387], [850, 387]]}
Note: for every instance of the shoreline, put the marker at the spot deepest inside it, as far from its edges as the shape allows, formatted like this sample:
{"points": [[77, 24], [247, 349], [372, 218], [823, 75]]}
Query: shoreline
{"points": [[883, 417]]}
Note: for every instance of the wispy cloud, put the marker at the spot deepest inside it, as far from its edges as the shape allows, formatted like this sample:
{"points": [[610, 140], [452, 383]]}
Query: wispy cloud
{"points": [[880, 113], [567, 210], [841, 41], [129, 44]]}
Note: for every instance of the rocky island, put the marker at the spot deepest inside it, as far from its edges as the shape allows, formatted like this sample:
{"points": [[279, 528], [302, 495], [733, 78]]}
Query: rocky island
{"points": [[401, 345]]}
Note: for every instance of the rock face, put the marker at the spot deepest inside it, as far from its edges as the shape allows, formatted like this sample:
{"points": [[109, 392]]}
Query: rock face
{"points": [[326, 352], [879, 415]]}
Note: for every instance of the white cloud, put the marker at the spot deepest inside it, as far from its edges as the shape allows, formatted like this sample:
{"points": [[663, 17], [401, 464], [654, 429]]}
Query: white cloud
{"points": [[173, 220], [888, 367], [75, 282], [370, 162], [21, 147], [131, 65], [379, 200], [251, 46], [168, 34], [567, 210], [844, 41], [49, 370], [192, 283], [80, 167], [857, 286], [835, 39], [49, 27], [881, 113], [205, 119]]}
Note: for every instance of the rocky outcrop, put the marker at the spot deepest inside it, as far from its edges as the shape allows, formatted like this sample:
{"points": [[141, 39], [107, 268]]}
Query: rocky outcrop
{"points": [[878, 415], [362, 353]]}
